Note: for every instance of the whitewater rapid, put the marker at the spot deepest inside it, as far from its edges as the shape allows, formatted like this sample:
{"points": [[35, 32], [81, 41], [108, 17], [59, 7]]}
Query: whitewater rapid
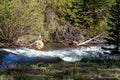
{"points": [[67, 54]]}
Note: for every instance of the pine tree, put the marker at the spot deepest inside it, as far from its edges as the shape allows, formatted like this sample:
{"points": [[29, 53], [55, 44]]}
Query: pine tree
{"points": [[96, 9], [114, 23], [74, 12]]}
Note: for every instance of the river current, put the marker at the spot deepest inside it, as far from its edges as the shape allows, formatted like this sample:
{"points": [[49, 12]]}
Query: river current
{"points": [[21, 55]]}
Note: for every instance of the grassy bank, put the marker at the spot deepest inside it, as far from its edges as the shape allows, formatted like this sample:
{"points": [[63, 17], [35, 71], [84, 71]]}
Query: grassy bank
{"points": [[84, 70]]}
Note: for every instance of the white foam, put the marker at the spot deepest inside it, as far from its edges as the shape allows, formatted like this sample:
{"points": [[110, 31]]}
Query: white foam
{"points": [[67, 54]]}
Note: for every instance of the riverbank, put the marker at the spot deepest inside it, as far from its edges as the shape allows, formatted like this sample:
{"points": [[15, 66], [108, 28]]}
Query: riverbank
{"points": [[83, 70], [71, 37]]}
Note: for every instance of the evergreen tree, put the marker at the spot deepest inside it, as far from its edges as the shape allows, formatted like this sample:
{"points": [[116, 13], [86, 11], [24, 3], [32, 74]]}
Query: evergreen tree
{"points": [[114, 23], [96, 9], [74, 12]]}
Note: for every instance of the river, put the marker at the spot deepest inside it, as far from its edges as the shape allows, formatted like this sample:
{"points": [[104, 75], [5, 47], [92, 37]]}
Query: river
{"points": [[71, 54]]}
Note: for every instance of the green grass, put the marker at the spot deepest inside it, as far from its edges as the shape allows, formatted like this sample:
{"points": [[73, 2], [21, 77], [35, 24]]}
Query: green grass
{"points": [[83, 70]]}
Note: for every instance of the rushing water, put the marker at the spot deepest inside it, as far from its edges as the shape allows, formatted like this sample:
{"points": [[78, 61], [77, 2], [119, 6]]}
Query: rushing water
{"points": [[22, 55], [67, 54]]}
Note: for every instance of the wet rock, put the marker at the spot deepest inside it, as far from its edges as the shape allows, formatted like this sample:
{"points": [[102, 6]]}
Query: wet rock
{"points": [[37, 45]]}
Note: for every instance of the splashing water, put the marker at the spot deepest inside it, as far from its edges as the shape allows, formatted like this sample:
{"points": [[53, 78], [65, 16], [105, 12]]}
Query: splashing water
{"points": [[10, 58], [67, 54]]}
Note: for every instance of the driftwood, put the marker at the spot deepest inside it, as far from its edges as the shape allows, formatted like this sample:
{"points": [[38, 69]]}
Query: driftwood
{"points": [[87, 41]]}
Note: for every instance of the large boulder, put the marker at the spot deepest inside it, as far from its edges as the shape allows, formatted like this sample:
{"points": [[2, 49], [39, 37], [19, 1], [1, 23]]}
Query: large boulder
{"points": [[37, 45]]}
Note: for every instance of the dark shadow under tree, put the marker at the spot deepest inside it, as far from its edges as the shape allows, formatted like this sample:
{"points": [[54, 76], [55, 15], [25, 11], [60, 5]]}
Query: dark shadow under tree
{"points": [[114, 23]]}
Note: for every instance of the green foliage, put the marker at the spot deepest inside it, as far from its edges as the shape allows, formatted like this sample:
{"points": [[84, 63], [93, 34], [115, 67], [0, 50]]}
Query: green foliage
{"points": [[4, 11], [17, 18], [96, 11], [73, 12], [114, 23], [33, 17]]}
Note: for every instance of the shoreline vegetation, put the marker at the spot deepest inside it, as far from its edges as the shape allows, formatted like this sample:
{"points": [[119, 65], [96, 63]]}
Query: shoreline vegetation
{"points": [[66, 22], [71, 23]]}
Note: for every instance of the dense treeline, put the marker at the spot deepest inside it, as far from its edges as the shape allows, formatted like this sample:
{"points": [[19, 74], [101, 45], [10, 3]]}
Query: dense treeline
{"points": [[114, 30], [26, 18]]}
